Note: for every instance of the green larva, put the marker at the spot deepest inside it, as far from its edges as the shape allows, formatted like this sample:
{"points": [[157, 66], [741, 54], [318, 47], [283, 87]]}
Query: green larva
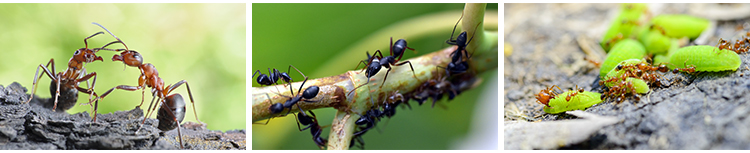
{"points": [[678, 25], [705, 58], [639, 85], [580, 101], [655, 42], [625, 49], [624, 25]]}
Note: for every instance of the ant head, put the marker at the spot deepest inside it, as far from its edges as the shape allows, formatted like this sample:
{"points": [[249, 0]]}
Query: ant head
{"points": [[304, 119], [130, 58], [86, 55], [276, 108], [373, 68], [310, 92], [461, 39]]}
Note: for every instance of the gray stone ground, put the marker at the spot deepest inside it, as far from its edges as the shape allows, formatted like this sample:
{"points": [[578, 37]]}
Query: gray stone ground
{"points": [[692, 111], [34, 126]]}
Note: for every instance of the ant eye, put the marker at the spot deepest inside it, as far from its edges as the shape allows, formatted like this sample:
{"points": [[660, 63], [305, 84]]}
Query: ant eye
{"points": [[77, 52]]}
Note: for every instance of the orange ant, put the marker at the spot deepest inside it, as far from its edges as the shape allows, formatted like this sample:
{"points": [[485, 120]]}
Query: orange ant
{"points": [[69, 79], [172, 108], [580, 90], [724, 44], [547, 94], [597, 64]]}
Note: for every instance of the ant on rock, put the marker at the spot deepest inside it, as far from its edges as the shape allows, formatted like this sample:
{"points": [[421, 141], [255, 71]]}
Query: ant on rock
{"points": [[172, 109], [375, 62], [69, 79]]}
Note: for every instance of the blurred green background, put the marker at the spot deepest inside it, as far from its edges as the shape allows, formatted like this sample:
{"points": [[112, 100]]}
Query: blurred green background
{"points": [[310, 36], [203, 44]]}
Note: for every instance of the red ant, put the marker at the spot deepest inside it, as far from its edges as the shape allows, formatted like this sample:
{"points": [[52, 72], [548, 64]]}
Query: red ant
{"points": [[547, 94], [376, 62], [172, 109], [723, 44], [580, 90], [69, 79]]}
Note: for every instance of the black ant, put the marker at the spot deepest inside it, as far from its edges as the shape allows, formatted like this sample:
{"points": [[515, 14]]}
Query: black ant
{"points": [[312, 124], [69, 79], [310, 93], [375, 62], [457, 64]]}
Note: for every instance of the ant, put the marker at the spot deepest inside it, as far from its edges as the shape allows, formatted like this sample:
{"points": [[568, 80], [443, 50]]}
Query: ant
{"points": [[273, 76], [437, 87], [375, 62], [547, 94], [310, 93], [175, 104], [597, 64], [723, 44], [312, 124], [69, 79], [457, 64], [580, 90]]}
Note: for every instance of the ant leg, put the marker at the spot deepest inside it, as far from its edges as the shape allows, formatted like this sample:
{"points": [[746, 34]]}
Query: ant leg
{"points": [[57, 93], [269, 120], [355, 88], [113, 35], [386, 77], [391, 47], [451, 41], [369, 59], [189, 93], [51, 75], [410, 66], [256, 72]]}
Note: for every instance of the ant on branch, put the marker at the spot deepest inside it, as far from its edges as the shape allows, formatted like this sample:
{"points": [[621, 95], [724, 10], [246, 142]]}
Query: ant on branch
{"points": [[458, 64], [69, 79], [375, 62], [310, 93], [172, 109], [273, 76], [315, 129]]}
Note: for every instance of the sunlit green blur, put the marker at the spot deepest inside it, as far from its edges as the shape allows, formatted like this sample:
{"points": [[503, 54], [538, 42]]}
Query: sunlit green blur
{"points": [[203, 44], [308, 35]]}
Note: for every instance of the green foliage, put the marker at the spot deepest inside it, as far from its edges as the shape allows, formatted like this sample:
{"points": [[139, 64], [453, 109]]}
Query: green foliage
{"points": [[203, 44]]}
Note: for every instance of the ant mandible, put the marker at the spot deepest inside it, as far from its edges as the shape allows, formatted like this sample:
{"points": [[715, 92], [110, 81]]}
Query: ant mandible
{"points": [[175, 105], [69, 79], [375, 62]]}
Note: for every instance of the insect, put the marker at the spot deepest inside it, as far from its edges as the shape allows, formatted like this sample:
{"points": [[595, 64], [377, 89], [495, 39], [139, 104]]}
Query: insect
{"points": [[623, 26], [580, 101], [703, 59], [67, 82], [545, 95], [310, 93], [172, 109], [573, 94], [597, 64], [315, 129], [678, 25], [655, 42], [457, 64], [625, 49], [376, 62]]}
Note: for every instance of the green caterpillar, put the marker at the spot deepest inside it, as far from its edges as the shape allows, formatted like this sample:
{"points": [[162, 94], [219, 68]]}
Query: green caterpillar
{"points": [[625, 49], [625, 25], [705, 58], [655, 42], [579, 101], [679, 25]]}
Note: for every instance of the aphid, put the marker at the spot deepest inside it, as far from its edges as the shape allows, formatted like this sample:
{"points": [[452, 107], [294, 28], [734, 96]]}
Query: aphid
{"points": [[625, 49], [703, 58], [679, 25], [69, 79], [580, 101], [545, 95]]}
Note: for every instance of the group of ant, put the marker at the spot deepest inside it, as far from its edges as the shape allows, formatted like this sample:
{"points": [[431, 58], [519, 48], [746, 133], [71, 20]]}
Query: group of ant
{"points": [[432, 88], [739, 46], [64, 86]]}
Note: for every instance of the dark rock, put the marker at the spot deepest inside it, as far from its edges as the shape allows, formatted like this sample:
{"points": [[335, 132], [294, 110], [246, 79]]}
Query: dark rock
{"points": [[34, 125]]}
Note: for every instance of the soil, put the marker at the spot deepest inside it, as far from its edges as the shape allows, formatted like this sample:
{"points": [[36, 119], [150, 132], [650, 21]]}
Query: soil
{"points": [[706, 110], [34, 125]]}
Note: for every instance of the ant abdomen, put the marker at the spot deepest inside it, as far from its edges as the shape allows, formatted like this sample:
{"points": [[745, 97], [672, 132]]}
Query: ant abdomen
{"points": [[68, 96], [173, 109]]}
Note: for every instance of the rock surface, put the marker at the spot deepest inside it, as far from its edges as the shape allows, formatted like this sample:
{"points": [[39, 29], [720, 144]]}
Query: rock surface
{"points": [[691, 111], [34, 126]]}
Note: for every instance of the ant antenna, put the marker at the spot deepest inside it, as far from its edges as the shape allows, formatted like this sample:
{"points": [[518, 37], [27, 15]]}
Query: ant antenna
{"points": [[113, 35]]}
